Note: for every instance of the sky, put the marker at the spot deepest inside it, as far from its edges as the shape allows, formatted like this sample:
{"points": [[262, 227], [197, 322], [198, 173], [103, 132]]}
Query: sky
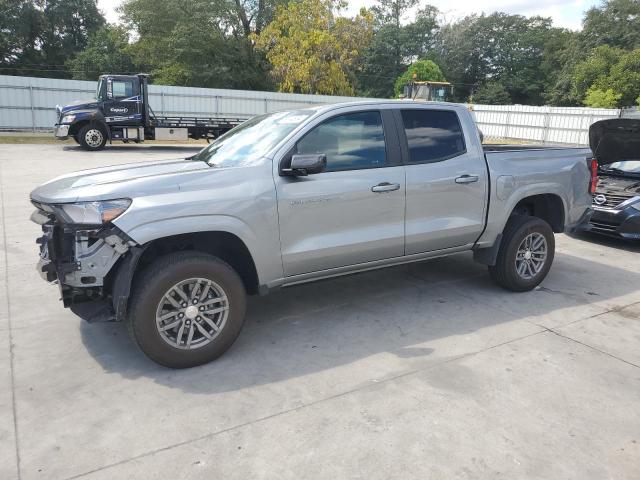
{"points": [[565, 13]]}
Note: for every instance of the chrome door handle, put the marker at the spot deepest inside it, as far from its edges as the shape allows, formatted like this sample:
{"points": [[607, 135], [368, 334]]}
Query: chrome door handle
{"points": [[467, 179], [385, 187]]}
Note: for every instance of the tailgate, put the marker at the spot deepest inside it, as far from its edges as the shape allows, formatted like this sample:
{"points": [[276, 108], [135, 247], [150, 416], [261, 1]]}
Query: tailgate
{"points": [[615, 140]]}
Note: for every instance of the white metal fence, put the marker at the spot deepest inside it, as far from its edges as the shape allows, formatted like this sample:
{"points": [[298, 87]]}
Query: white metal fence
{"points": [[565, 125], [28, 103]]}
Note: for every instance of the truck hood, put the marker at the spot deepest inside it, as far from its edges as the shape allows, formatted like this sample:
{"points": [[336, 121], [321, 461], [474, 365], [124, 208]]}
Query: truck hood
{"points": [[615, 140], [119, 181], [88, 104]]}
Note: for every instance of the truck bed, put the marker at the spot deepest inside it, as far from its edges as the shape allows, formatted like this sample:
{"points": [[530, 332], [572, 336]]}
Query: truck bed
{"points": [[202, 122]]}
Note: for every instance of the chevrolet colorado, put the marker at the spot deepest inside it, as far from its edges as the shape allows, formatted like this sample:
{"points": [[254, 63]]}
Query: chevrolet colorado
{"points": [[174, 247]]}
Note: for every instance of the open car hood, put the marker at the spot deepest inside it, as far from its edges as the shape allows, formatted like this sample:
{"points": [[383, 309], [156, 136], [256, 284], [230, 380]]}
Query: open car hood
{"points": [[615, 140]]}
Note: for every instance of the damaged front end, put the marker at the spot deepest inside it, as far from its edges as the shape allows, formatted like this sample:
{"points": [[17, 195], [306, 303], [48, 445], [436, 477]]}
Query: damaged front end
{"points": [[81, 257]]}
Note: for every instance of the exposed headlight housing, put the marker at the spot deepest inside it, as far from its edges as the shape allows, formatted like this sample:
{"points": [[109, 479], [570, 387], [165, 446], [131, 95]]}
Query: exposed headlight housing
{"points": [[68, 119], [94, 213]]}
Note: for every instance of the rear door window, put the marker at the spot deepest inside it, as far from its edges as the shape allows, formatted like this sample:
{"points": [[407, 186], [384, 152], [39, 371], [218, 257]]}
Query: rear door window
{"points": [[432, 135]]}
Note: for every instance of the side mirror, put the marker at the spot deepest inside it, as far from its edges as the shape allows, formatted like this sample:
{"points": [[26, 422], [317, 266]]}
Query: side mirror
{"points": [[308, 164]]}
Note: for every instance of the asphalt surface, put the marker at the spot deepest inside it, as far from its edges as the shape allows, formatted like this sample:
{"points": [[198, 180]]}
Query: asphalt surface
{"points": [[419, 371]]}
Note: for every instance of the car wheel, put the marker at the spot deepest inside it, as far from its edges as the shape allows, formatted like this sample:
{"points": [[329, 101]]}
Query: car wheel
{"points": [[187, 309], [525, 255], [92, 137]]}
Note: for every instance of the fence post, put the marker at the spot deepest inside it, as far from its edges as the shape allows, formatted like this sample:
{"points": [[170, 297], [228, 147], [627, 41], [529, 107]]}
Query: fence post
{"points": [[33, 112], [508, 124], [266, 105], [545, 128], [162, 102], [216, 105]]}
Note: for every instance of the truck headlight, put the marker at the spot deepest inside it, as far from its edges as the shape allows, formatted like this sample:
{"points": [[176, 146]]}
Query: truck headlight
{"points": [[68, 119], [94, 213]]}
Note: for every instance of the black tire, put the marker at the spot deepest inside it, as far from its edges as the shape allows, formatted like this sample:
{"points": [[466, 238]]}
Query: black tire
{"points": [[76, 138], [504, 272], [156, 280], [92, 137]]}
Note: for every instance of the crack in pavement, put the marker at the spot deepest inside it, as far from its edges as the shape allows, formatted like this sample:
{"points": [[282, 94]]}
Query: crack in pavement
{"points": [[10, 336]]}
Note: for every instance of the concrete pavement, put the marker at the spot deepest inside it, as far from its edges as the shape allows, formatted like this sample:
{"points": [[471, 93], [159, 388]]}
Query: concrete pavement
{"points": [[418, 371]]}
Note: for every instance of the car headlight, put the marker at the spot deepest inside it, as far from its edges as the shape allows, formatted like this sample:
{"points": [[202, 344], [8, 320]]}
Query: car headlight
{"points": [[68, 119], [94, 213], [636, 205]]}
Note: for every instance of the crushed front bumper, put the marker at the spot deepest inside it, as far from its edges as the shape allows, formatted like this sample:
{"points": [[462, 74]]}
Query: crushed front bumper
{"points": [[77, 257]]}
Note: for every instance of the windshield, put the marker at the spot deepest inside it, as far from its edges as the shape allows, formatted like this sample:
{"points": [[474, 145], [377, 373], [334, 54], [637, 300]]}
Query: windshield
{"points": [[99, 89], [251, 140], [628, 166]]}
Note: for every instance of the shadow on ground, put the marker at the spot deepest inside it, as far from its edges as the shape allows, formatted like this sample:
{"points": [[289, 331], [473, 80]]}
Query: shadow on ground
{"points": [[613, 242], [318, 326]]}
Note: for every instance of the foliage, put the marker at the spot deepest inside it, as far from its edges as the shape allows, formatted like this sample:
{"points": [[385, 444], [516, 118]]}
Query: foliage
{"points": [[422, 70], [107, 52], [615, 23], [608, 68], [37, 36], [491, 93], [199, 42], [394, 45], [311, 50], [598, 98], [502, 47]]}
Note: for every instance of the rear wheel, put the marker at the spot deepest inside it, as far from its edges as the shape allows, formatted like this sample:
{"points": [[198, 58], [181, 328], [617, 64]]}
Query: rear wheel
{"points": [[187, 309], [525, 255], [92, 137]]}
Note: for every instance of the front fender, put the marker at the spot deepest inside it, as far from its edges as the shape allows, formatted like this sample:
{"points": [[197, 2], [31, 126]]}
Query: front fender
{"points": [[266, 257]]}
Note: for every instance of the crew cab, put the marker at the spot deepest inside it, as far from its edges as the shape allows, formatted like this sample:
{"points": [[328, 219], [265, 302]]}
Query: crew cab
{"points": [[174, 247]]}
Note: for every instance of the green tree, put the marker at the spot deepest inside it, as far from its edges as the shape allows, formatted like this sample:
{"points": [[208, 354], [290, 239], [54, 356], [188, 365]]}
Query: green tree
{"points": [[422, 70], [394, 45], [608, 68], [200, 43], [312, 50], [502, 47], [598, 98], [624, 77], [38, 36], [615, 23], [560, 55], [106, 52], [491, 93]]}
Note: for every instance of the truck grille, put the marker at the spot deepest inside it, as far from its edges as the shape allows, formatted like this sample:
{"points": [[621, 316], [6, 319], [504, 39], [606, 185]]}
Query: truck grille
{"points": [[610, 200]]}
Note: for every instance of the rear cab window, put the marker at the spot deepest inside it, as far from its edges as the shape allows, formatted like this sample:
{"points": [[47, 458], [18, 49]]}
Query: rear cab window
{"points": [[432, 135]]}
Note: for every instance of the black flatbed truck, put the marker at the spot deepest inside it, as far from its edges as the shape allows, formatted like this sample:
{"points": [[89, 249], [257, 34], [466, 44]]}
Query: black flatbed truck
{"points": [[121, 112]]}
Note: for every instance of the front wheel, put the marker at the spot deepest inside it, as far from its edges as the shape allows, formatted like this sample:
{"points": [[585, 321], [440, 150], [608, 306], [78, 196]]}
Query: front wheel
{"points": [[525, 255], [187, 309], [92, 137]]}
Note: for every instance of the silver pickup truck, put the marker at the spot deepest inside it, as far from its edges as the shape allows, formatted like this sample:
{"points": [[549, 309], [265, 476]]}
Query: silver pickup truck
{"points": [[174, 247]]}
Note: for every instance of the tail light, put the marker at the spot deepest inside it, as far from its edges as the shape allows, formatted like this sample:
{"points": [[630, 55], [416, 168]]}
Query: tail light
{"points": [[593, 166]]}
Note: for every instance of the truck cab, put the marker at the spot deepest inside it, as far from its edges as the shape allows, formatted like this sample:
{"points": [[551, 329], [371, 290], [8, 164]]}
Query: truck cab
{"points": [[118, 111]]}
